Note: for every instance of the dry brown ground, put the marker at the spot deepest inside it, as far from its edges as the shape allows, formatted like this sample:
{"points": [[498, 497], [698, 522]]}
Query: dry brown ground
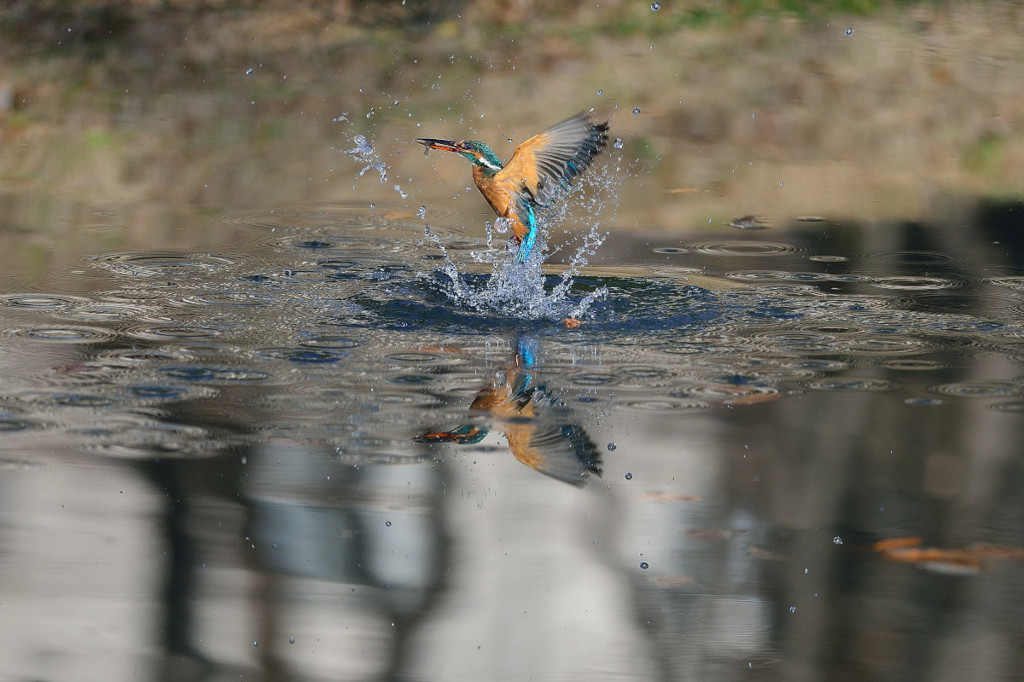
{"points": [[221, 105]]}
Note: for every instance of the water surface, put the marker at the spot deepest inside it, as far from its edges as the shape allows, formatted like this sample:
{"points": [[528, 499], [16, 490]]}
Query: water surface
{"points": [[777, 453]]}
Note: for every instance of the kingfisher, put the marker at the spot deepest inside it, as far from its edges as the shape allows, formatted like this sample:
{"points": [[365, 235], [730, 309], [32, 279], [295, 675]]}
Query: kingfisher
{"points": [[540, 170], [529, 415]]}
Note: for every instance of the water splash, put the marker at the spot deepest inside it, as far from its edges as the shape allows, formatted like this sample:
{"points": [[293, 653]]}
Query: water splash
{"points": [[517, 289], [506, 287], [364, 153]]}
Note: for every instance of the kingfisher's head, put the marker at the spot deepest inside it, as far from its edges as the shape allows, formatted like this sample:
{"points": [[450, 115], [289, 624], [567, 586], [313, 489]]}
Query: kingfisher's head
{"points": [[476, 152]]}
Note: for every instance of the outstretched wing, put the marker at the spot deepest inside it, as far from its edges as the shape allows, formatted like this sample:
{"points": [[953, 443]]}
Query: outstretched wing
{"points": [[563, 452], [546, 164]]}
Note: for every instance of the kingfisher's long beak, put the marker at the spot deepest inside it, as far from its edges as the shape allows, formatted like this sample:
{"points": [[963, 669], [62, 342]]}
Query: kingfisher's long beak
{"points": [[443, 145]]}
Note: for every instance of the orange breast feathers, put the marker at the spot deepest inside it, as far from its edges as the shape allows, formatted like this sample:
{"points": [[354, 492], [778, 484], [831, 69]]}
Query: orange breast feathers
{"points": [[501, 192]]}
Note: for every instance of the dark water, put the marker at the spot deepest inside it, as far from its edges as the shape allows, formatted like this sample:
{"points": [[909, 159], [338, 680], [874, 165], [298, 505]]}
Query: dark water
{"points": [[775, 454]]}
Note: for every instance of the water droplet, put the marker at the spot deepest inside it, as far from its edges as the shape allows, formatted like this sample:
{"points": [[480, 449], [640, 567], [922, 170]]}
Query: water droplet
{"points": [[291, 640], [600, 92], [792, 609], [629, 476], [636, 111], [849, 30], [617, 143], [837, 540], [248, 71], [387, 523], [644, 565], [655, 6], [422, 213], [612, 446], [255, 643]]}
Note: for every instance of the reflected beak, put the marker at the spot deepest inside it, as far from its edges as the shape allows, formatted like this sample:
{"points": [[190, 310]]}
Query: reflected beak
{"points": [[443, 145]]}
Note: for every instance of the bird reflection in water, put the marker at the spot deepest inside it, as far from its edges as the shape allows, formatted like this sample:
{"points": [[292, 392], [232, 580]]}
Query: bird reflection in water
{"points": [[533, 419]]}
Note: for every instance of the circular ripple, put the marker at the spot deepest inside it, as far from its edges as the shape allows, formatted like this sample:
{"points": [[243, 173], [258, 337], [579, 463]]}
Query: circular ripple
{"points": [[162, 264], [329, 341], [206, 373], [64, 334], [759, 275], [743, 248], [343, 264], [313, 244], [673, 405], [817, 365], [924, 402], [714, 346], [1014, 283], [407, 399], [1014, 407], [241, 299], [159, 392], [172, 259], [64, 399], [413, 358], [914, 365], [978, 389], [592, 379], [168, 332], [883, 345], [139, 356], [41, 301], [720, 392], [151, 440], [412, 379], [909, 257], [912, 283], [313, 356], [642, 373], [106, 311], [853, 384], [801, 343]]}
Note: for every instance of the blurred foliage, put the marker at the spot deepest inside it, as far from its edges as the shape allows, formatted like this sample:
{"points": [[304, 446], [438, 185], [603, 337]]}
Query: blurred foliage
{"points": [[42, 25], [229, 102]]}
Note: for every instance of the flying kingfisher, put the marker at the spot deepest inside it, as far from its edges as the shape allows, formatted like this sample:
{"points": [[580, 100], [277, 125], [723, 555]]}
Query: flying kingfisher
{"points": [[538, 172]]}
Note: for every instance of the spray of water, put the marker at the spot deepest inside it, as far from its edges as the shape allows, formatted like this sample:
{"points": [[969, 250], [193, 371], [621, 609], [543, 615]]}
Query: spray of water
{"points": [[511, 288], [520, 289], [364, 153]]}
